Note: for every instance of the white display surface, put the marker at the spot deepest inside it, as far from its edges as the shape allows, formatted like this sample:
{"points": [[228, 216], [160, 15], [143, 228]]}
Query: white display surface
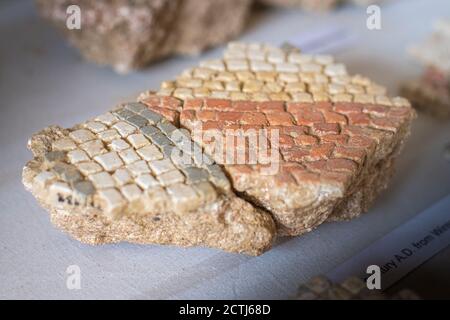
{"points": [[43, 82]]}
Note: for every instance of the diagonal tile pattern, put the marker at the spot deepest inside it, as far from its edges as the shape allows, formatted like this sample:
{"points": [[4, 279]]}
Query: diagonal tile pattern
{"points": [[338, 134], [323, 150]]}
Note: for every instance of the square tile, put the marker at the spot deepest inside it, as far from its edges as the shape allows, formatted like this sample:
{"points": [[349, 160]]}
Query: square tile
{"points": [[135, 107], [170, 151], [95, 126], [123, 114], [93, 148], [67, 172], [149, 131], [137, 121], [119, 145], [138, 140], [83, 189], [183, 197], [138, 168], [77, 155], [167, 128], [109, 135], [54, 156], [102, 180], [152, 117], [112, 201], [150, 153], [160, 139], [170, 178], [131, 192], [124, 129], [122, 177], [60, 188], [107, 118], [109, 161], [195, 175], [237, 65], [146, 181], [160, 166], [82, 135], [64, 144], [88, 168], [44, 178], [181, 159], [129, 156]]}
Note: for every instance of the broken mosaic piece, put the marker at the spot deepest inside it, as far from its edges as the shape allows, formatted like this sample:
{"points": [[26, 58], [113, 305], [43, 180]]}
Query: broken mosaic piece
{"points": [[99, 194], [334, 136], [336, 143], [131, 34]]}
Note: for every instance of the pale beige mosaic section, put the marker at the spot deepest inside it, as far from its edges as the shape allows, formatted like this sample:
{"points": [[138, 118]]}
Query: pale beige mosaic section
{"points": [[259, 72], [130, 160]]}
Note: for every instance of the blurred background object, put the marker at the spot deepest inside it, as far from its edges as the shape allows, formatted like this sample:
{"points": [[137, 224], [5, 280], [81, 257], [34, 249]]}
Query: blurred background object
{"points": [[130, 34], [431, 93]]}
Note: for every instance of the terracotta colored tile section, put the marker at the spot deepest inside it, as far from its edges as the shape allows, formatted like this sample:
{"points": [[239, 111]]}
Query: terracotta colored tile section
{"points": [[280, 118], [245, 106], [316, 141], [217, 104]]}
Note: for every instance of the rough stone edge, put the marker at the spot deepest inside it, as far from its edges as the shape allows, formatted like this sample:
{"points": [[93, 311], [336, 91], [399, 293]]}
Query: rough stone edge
{"points": [[338, 202]]}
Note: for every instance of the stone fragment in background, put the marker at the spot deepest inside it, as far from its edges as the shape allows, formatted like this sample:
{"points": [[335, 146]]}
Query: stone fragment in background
{"points": [[131, 34]]}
